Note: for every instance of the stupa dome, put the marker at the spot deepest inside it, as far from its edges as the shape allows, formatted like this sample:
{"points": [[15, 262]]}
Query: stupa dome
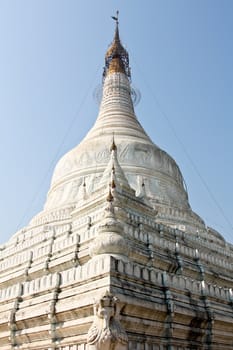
{"points": [[143, 162]]}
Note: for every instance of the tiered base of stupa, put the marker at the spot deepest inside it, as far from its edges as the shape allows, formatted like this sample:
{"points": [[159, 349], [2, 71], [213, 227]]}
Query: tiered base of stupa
{"points": [[114, 279]]}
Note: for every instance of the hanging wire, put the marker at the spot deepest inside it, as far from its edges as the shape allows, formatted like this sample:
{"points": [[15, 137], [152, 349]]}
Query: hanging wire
{"points": [[59, 148], [164, 114]]}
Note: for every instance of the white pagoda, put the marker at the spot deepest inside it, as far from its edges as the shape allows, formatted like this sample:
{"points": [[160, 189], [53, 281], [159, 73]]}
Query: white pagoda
{"points": [[117, 259]]}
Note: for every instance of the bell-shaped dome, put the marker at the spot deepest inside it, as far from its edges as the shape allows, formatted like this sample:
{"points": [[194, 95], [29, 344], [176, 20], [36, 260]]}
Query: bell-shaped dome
{"points": [[143, 162]]}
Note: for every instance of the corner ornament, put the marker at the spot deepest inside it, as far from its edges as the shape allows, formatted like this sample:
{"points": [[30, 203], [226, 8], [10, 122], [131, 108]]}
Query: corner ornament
{"points": [[106, 332]]}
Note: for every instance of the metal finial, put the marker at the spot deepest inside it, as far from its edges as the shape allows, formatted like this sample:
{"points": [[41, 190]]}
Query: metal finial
{"points": [[116, 17], [113, 145], [116, 57]]}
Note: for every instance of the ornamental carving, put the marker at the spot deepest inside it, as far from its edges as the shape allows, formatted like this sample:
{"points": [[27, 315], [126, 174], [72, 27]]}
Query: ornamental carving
{"points": [[106, 332], [110, 238]]}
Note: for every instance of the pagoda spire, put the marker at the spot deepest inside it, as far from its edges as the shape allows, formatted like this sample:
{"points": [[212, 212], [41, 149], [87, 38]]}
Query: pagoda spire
{"points": [[116, 57]]}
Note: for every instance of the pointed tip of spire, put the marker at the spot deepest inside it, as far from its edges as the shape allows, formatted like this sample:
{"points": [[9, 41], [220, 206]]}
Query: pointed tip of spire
{"points": [[116, 19], [84, 190], [113, 145]]}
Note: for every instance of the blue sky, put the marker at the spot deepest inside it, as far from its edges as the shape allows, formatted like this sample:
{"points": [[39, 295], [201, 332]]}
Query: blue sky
{"points": [[52, 55]]}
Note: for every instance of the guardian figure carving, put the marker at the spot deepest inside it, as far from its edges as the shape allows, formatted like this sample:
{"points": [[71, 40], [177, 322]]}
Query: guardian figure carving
{"points": [[106, 332]]}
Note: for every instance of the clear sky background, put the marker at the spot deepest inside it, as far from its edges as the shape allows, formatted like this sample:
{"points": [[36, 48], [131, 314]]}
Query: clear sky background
{"points": [[51, 60]]}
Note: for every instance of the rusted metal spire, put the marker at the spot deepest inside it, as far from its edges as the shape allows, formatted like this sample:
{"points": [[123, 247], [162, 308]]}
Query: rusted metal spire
{"points": [[116, 58]]}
